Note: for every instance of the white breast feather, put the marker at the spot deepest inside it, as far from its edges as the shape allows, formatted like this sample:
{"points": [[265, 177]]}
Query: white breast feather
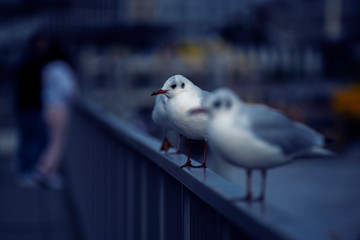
{"points": [[240, 147]]}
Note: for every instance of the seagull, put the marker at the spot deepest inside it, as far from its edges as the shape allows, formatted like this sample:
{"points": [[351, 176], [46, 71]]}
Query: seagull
{"points": [[160, 117], [256, 137], [182, 96]]}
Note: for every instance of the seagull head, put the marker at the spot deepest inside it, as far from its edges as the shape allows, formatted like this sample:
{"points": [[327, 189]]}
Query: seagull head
{"points": [[174, 86], [223, 101]]}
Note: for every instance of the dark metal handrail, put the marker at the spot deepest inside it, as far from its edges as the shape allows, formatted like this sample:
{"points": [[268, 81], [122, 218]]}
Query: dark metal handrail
{"points": [[124, 188]]}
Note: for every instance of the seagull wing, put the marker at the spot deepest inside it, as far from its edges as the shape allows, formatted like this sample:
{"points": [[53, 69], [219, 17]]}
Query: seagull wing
{"points": [[277, 129], [159, 114], [204, 96]]}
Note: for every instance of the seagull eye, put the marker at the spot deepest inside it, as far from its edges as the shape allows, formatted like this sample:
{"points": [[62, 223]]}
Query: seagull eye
{"points": [[173, 86], [217, 104], [182, 85], [228, 104]]}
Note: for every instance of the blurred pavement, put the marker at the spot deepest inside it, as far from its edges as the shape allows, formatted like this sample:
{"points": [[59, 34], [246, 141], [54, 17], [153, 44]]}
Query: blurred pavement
{"points": [[322, 194], [31, 214]]}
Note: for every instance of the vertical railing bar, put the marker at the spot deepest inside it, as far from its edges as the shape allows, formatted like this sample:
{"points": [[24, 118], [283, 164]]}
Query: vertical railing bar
{"points": [[99, 198], [109, 194], [186, 214], [224, 229], [91, 157], [98, 201], [125, 191], [115, 189], [161, 207], [144, 210], [130, 196]]}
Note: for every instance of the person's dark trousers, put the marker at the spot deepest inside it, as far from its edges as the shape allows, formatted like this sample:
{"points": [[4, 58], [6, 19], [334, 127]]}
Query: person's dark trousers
{"points": [[33, 139]]}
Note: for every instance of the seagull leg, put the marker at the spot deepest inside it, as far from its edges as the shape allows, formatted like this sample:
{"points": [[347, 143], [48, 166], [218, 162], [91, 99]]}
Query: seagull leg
{"points": [[248, 185], [203, 165], [166, 144], [188, 162], [179, 144], [248, 195], [263, 186], [178, 151]]}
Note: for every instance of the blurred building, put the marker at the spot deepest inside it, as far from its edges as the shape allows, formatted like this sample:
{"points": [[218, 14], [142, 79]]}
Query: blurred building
{"points": [[268, 50], [282, 23]]}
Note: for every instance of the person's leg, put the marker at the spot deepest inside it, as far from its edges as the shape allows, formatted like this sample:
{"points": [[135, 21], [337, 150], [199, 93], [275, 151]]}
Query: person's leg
{"points": [[32, 140], [41, 139], [23, 137], [57, 121]]}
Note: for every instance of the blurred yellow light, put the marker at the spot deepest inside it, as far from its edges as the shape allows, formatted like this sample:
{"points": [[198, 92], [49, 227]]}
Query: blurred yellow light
{"points": [[347, 102]]}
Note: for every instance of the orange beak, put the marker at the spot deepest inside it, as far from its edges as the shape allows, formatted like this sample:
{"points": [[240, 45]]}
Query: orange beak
{"points": [[157, 92]]}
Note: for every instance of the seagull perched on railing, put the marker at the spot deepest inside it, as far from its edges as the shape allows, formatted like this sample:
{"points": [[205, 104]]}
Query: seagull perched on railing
{"points": [[160, 117], [256, 136], [183, 96]]}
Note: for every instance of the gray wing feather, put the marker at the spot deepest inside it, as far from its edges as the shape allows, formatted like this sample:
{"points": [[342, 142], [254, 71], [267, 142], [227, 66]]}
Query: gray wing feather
{"points": [[277, 129], [204, 97]]}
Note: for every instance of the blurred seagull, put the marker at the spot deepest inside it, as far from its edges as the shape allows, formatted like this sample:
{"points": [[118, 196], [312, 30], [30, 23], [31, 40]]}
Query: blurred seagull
{"points": [[183, 96], [160, 117], [256, 137]]}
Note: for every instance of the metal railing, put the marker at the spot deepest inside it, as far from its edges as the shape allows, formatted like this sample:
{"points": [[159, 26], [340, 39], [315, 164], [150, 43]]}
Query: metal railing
{"points": [[122, 187]]}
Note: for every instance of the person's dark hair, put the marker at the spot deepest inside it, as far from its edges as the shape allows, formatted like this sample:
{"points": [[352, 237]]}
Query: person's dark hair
{"points": [[55, 52], [46, 47], [37, 46]]}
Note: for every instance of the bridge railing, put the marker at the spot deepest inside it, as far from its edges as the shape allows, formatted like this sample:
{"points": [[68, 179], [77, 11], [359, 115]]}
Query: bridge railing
{"points": [[122, 187]]}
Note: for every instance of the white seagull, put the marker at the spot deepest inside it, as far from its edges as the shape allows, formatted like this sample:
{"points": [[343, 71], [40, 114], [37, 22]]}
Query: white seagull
{"points": [[183, 96], [160, 117], [256, 137]]}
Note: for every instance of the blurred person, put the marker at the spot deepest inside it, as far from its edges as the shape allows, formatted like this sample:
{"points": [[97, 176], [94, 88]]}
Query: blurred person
{"points": [[59, 86], [32, 128]]}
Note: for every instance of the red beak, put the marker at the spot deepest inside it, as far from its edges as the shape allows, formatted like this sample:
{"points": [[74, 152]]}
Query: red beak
{"points": [[198, 110], [157, 92]]}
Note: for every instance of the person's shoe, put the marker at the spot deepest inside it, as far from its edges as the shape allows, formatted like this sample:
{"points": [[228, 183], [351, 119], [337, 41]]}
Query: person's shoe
{"points": [[54, 181], [51, 181], [27, 181]]}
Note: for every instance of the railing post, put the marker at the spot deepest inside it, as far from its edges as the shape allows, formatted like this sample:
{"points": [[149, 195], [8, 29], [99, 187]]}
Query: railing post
{"points": [[186, 214], [161, 208], [144, 210], [125, 189], [130, 201]]}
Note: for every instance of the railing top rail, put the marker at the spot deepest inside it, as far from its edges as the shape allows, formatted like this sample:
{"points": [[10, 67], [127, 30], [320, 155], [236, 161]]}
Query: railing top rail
{"points": [[212, 188]]}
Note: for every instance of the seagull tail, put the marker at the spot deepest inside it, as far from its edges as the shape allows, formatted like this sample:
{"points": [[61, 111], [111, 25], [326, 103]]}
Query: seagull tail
{"points": [[315, 152], [321, 152]]}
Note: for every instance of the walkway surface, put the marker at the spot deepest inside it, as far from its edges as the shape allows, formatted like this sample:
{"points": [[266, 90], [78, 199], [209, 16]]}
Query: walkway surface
{"points": [[30, 214], [321, 194]]}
